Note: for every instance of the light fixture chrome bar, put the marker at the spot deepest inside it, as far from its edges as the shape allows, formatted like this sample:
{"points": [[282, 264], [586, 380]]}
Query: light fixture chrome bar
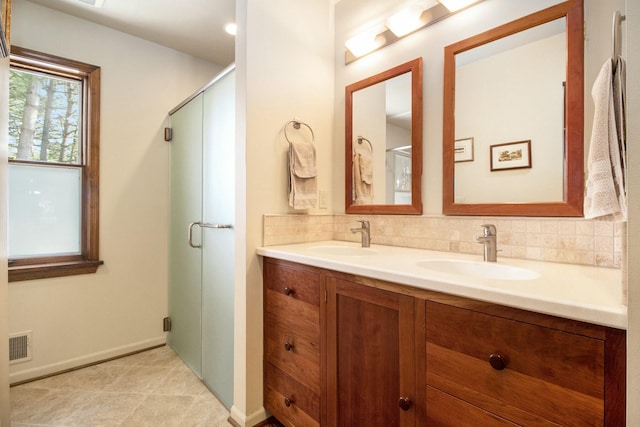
{"points": [[430, 16], [95, 3]]}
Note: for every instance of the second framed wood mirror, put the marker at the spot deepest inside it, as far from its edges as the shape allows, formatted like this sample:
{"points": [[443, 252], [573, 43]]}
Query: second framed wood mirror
{"points": [[383, 145]]}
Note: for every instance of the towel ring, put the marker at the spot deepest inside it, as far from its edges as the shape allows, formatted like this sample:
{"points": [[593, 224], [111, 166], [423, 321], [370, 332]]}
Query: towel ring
{"points": [[296, 125], [618, 18], [362, 138]]}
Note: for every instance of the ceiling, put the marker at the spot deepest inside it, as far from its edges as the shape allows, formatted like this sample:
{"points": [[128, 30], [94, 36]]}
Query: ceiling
{"points": [[195, 27]]}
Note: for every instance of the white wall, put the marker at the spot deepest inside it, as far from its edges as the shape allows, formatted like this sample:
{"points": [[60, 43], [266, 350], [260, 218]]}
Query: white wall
{"points": [[4, 306], [284, 63], [81, 319], [633, 112]]}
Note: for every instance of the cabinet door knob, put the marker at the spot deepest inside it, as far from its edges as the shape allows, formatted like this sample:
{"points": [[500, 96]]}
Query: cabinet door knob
{"points": [[288, 346], [287, 402], [497, 361], [288, 291], [404, 403]]}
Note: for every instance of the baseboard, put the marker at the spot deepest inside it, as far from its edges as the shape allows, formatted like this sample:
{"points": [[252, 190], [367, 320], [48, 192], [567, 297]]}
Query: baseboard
{"points": [[240, 419], [89, 359]]}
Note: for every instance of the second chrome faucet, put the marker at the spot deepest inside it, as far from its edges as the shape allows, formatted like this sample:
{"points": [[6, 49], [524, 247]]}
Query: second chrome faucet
{"points": [[488, 239], [365, 229]]}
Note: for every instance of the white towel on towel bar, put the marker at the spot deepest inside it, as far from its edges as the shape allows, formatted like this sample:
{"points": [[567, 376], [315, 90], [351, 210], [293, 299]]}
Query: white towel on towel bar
{"points": [[605, 196], [303, 172], [362, 179]]}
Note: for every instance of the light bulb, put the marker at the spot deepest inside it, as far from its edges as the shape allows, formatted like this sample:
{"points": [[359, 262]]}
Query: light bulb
{"points": [[405, 21], [455, 5], [363, 43]]}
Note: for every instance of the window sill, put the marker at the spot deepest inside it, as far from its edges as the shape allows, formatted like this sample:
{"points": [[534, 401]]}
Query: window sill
{"points": [[59, 269]]}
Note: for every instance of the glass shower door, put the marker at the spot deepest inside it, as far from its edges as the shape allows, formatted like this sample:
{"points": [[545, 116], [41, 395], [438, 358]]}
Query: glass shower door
{"points": [[218, 243], [185, 262]]}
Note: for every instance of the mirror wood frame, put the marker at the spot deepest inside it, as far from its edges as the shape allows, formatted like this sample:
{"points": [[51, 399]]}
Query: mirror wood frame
{"points": [[5, 11], [572, 206], [415, 208]]}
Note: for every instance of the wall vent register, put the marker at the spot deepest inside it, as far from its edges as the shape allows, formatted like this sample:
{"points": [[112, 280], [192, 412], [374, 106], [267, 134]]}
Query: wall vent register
{"points": [[20, 347]]}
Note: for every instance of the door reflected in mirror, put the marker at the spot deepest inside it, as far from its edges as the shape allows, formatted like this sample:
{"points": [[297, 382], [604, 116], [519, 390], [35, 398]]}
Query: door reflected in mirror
{"points": [[514, 116], [384, 142]]}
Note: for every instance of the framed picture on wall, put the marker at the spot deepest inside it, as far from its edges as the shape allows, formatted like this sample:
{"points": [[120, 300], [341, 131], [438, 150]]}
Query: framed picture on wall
{"points": [[463, 150], [511, 155]]}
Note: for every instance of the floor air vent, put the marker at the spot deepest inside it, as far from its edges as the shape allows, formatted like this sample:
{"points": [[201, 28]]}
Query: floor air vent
{"points": [[20, 347]]}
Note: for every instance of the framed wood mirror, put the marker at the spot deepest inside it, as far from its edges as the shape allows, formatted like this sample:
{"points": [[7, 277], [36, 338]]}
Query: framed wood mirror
{"points": [[513, 137], [5, 11], [383, 147]]}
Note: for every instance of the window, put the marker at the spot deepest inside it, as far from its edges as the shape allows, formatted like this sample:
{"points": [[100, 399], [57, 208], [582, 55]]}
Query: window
{"points": [[54, 128]]}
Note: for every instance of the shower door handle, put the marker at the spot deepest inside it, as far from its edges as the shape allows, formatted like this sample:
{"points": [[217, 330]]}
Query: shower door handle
{"points": [[204, 225], [207, 225], [190, 235]]}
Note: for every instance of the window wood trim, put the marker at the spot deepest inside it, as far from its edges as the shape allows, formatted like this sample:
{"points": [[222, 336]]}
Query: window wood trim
{"points": [[88, 261]]}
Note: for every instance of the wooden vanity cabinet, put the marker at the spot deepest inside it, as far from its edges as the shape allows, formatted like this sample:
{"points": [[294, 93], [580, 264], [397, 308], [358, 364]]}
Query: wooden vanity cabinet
{"points": [[502, 366], [371, 353], [293, 390]]}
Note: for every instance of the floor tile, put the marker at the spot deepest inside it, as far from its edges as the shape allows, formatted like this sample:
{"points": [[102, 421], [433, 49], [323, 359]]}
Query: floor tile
{"points": [[55, 408], [159, 411], [205, 411], [152, 388], [141, 379]]}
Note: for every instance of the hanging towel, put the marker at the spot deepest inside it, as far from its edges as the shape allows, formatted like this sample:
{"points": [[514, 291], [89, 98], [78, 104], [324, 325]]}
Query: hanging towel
{"points": [[362, 179], [303, 174], [605, 196]]}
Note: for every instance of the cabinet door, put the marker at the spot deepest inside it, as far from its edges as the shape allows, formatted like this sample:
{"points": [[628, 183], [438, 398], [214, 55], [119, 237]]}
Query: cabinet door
{"points": [[371, 356]]}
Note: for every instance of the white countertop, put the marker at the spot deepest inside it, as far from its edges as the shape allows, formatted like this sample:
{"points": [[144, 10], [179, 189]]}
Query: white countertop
{"points": [[586, 293]]}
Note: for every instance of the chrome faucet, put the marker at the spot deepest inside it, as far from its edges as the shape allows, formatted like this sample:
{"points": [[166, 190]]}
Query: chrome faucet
{"points": [[488, 239], [366, 233]]}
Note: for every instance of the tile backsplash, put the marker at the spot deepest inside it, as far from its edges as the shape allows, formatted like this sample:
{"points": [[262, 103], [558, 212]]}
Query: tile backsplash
{"points": [[574, 241]]}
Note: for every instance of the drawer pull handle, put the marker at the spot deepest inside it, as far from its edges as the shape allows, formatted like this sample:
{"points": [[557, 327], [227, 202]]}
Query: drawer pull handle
{"points": [[288, 346], [288, 291], [497, 361], [287, 402], [404, 403]]}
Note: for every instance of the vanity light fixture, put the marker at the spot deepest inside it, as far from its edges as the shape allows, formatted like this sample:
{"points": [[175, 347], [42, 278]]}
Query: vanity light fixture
{"points": [[406, 20], [400, 24], [95, 3], [364, 43], [456, 5]]}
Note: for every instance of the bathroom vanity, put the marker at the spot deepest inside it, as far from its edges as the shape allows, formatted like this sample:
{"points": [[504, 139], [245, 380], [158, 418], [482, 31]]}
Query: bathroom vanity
{"points": [[381, 337]]}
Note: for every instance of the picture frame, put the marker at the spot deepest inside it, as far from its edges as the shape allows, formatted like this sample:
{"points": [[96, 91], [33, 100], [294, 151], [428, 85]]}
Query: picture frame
{"points": [[463, 150], [510, 155]]}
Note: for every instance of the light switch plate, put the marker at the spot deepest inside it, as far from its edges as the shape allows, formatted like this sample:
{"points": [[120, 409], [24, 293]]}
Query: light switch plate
{"points": [[323, 199]]}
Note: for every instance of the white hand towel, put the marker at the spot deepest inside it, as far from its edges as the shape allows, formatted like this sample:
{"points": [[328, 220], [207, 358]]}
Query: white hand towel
{"points": [[605, 196], [303, 172], [362, 179]]}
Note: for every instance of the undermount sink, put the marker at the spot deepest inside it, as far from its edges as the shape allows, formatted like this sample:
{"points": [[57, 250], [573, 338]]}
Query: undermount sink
{"points": [[486, 270], [342, 250]]}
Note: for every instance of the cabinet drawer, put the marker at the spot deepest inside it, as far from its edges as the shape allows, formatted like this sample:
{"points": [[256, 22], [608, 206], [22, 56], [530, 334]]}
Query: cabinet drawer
{"points": [[289, 401], [299, 284], [548, 374], [294, 347], [445, 410]]}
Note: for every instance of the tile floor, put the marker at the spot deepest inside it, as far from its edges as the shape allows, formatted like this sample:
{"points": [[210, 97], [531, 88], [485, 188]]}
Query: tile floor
{"points": [[152, 388]]}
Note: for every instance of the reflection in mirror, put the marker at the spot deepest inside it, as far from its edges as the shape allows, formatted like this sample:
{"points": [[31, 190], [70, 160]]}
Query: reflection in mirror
{"points": [[384, 142], [513, 118], [502, 66]]}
